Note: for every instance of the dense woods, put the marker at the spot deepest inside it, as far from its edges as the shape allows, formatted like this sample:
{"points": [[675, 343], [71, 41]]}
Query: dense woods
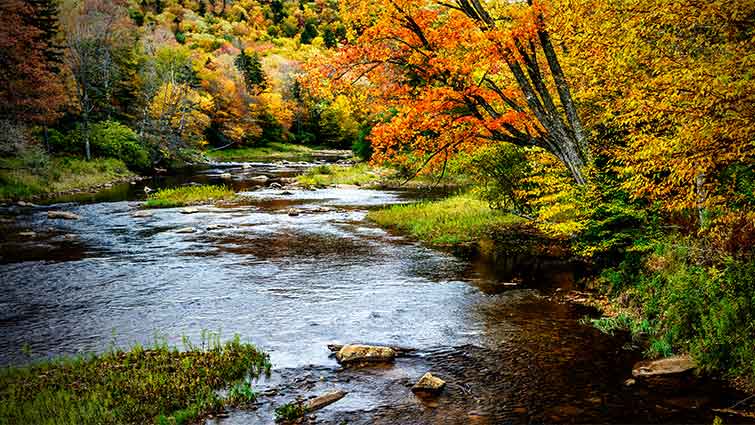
{"points": [[626, 128]]}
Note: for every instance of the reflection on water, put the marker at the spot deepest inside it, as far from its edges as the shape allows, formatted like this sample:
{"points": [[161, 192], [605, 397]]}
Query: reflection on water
{"points": [[292, 284]]}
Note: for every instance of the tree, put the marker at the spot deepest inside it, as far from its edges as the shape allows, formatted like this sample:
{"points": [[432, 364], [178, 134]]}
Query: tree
{"points": [[329, 37], [458, 75], [30, 92], [95, 30], [309, 33], [251, 69]]}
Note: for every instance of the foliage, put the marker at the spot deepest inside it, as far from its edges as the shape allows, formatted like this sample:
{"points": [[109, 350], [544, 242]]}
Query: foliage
{"points": [[188, 195], [457, 220], [140, 385], [683, 305], [251, 68], [290, 412], [111, 139], [500, 172], [241, 393]]}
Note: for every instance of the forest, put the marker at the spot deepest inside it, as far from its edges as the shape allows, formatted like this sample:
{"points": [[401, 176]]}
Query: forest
{"points": [[619, 134]]}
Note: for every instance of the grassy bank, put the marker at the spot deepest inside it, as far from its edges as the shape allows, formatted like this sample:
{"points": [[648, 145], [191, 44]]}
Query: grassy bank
{"points": [[20, 179], [460, 219], [188, 195], [141, 385], [328, 175], [273, 151]]}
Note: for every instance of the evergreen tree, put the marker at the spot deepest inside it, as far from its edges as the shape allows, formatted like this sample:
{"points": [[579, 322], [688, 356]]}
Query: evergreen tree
{"points": [[45, 18], [309, 33], [251, 68], [329, 37]]}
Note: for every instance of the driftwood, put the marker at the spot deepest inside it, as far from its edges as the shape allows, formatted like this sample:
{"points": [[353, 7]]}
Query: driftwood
{"points": [[324, 400]]}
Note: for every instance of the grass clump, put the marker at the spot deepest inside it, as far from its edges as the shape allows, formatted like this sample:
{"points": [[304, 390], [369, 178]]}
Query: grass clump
{"points": [[328, 175], [26, 177], [188, 195], [142, 385], [456, 220], [273, 150], [290, 412]]}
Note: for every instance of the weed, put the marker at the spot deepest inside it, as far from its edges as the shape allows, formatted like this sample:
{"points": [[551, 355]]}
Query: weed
{"points": [[290, 412]]}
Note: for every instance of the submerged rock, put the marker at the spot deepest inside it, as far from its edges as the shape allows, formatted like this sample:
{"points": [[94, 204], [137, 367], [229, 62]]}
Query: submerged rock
{"points": [[141, 214], [321, 401], [186, 230], [429, 384], [355, 353], [64, 215]]}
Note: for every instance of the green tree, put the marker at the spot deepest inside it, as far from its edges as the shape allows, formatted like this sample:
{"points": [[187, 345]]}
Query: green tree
{"points": [[251, 68]]}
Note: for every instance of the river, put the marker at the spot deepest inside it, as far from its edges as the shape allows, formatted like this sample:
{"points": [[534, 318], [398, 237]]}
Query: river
{"points": [[293, 284]]}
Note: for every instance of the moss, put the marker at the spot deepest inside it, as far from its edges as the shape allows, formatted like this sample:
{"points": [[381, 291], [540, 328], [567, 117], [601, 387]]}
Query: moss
{"points": [[188, 195], [141, 385]]}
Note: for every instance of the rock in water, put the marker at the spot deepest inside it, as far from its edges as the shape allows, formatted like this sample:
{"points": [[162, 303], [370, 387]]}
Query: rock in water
{"points": [[293, 212], [141, 214], [429, 384], [186, 230], [189, 210], [668, 366], [226, 176], [64, 215], [354, 353], [669, 375], [260, 178], [321, 401]]}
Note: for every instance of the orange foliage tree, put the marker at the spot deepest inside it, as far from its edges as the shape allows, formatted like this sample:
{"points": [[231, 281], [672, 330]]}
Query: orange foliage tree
{"points": [[455, 76]]}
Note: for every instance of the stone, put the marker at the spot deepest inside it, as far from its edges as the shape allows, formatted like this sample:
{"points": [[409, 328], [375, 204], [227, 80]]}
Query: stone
{"points": [[186, 230], [246, 165], [142, 214], [357, 353], [216, 226], [429, 384], [275, 185], [189, 210], [27, 234], [260, 178], [629, 382], [326, 399], [285, 193], [668, 366], [293, 212], [64, 215], [225, 176], [107, 185]]}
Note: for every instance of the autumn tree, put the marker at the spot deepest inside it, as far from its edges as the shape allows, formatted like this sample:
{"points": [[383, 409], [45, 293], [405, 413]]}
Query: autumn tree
{"points": [[460, 74], [30, 92], [95, 29], [675, 81]]}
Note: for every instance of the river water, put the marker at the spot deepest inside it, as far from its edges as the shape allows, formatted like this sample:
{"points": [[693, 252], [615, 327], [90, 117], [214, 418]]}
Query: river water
{"points": [[293, 284]]}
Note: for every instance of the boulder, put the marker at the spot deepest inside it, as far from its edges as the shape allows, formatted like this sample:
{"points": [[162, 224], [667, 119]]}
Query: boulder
{"points": [[275, 185], [669, 375], [429, 384], [321, 401], [27, 234], [186, 230], [293, 212], [64, 215], [189, 210], [260, 178], [663, 367], [356, 353]]}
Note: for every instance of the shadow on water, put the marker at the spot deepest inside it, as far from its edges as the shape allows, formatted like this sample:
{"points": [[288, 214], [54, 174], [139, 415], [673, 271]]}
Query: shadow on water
{"points": [[294, 283]]}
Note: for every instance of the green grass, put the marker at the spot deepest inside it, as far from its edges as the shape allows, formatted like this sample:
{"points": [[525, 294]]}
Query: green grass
{"points": [[459, 219], [188, 195], [290, 412], [155, 385], [273, 150], [20, 180], [328, 175]]}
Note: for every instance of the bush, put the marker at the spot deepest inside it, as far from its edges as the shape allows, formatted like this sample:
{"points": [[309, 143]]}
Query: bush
{"points": [[114, 140]]}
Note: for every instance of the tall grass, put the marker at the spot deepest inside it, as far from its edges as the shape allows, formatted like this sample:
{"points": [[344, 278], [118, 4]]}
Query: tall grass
{"points": [[455, 220], [327, 175], [21, 180], [141, 385], [271, 151], [188, 195]]}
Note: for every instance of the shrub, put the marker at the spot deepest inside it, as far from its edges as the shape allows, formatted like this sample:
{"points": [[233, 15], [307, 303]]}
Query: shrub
{"points": [[114, 140]]}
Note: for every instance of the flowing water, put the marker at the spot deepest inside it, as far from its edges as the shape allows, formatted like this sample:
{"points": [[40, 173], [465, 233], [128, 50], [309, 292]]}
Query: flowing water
{"points": [[293, 284]]}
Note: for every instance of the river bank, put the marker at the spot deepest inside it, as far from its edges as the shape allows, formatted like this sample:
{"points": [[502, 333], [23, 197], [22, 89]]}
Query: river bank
{"points": [[294, 283]]}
